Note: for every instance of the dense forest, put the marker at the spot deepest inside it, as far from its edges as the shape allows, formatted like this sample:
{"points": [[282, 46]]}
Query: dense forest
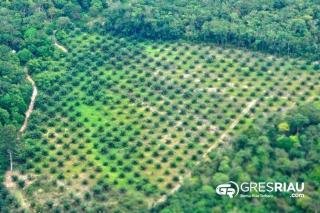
{"points": [[286, 149], [21, 39], [277, 26]]}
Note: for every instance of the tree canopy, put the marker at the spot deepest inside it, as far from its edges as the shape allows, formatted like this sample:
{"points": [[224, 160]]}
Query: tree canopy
{"points": [[285, 150]]}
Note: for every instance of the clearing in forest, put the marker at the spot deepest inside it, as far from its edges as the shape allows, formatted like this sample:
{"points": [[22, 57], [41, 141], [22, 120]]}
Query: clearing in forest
{"points": [[119, 119]]}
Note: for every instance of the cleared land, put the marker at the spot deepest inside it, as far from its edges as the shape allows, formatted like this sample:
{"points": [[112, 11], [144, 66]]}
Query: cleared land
{"points": [[118, 119]]}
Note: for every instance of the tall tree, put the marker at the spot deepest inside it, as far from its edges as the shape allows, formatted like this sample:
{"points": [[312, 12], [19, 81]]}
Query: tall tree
{"points": [[8, 142]]}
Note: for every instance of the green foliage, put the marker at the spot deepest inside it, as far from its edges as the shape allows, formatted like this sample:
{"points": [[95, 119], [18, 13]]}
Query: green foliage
{"points": [[38, 42], [287, 164], [126, 111], [22, 37], [7, 144], [284, 127], [284, 142], [64, 23], [60, 3], [24, 56], [4, 116], [8, 139], [72, 11], [12, 88], [139, 114], [10, 30], [274, 26]]}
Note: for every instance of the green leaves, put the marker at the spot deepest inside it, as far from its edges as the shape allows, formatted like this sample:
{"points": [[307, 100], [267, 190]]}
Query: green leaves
{"points": [[24, 55]]}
